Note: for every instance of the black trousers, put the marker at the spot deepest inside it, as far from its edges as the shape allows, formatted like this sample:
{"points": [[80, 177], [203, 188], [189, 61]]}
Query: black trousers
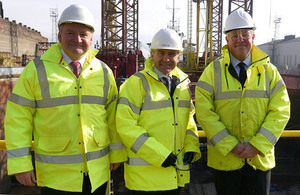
{"points": [[168, 192], [245, 181], [86, 189]]}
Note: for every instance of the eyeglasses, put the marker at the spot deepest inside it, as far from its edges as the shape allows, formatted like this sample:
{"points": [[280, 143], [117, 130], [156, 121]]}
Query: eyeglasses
{"points": [[234, 35]]}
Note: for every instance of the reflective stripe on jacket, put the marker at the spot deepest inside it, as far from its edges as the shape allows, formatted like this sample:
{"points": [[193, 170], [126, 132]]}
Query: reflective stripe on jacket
{"points": [[230, 114], [151, 129], [72, 120]]}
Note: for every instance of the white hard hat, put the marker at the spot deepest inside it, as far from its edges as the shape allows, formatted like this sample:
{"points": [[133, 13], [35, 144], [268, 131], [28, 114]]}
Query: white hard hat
{"points": [[239, 19], [166, 39], [77, 14]]}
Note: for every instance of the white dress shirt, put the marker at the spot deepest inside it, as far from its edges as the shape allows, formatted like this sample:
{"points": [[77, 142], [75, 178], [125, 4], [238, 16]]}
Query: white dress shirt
{"points": [[68, 60]]}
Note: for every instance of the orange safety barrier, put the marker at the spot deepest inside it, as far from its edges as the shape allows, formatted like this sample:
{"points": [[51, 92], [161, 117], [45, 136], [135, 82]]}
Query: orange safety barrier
{"points": [[285, 133]]}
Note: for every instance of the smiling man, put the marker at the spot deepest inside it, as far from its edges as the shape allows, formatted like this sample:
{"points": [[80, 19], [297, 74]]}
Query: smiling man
{"points": [[76, 39], [243, 106], [155, 121], [67, 100]]}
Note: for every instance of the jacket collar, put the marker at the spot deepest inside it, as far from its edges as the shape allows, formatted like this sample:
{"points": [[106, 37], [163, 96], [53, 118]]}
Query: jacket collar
{"points": [[256, 54], [53, 54]]}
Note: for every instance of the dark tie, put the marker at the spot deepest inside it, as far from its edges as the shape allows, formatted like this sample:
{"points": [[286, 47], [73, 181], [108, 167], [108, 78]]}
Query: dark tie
{"points": [[243, 74], [166, 81], [75, 66]]}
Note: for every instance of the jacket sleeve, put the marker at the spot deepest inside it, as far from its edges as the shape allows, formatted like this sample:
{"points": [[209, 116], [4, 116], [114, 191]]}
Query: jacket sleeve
{"points": [[191, 138], [18, 123], [128, 116], [277, 116], [209, 120], [117, 151]]}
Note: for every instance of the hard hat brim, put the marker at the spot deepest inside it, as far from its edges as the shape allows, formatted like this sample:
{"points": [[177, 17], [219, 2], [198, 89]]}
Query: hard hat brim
{"points": [[167, 48], [77, 22], [249, 28]]}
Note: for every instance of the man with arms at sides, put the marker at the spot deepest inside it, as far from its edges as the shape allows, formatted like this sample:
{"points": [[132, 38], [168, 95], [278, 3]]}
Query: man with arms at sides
{"points": [[67, 100]]}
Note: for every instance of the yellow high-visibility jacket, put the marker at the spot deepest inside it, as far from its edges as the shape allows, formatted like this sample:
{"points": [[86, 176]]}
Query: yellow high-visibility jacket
{"points": [[229, 113], [151, 127], [72, 121]]}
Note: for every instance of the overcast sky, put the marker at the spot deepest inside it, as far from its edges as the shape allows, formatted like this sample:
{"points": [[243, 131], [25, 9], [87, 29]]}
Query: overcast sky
{"points": [[156, 14]]}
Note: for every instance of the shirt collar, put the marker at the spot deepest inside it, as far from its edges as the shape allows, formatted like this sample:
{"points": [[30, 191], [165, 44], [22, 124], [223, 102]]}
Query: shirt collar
{"points": [[68, 59], [160, 74], [235, 61]]}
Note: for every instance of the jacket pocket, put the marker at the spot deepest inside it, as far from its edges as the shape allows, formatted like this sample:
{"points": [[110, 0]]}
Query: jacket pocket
{"points": [[53, 143], [101, 139]]}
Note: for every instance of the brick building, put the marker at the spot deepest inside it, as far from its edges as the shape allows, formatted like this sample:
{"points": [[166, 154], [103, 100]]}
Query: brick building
{"points": [[17, 40], [18, 45]]}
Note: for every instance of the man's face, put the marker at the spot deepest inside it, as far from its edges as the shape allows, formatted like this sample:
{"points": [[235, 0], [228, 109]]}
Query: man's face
{"points": [[165, 60], [240, 43], [75, 39]]}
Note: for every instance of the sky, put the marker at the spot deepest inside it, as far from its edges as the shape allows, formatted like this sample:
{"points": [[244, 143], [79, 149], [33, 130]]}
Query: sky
{"points": [[157, 14]]}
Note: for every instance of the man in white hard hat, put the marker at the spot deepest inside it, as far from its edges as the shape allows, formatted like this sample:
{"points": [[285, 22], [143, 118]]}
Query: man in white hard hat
{"points": [[67, 100], [155, 121], [243, 106]]}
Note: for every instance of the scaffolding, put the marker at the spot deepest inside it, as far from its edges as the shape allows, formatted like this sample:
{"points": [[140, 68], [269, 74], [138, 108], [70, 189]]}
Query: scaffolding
{"points": [[119, 37], [54, 16], [217, 20], [246, 5], [119, 33]]}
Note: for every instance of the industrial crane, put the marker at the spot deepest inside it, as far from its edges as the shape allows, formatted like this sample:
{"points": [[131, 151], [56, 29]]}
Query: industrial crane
{"points": [[119, 37], [211, 29]]}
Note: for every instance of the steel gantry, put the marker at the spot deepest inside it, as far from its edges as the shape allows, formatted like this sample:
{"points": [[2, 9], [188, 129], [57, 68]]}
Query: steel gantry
{"points": [[119, 36], [217, 19], [246, 5]]}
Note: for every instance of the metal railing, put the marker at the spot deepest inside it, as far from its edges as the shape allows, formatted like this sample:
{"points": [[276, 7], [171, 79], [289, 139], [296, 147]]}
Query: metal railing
{"points": [[285, 133]]}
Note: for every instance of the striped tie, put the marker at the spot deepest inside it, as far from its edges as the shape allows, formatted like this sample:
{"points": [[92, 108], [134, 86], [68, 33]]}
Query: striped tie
{"points": [[75, 66]]}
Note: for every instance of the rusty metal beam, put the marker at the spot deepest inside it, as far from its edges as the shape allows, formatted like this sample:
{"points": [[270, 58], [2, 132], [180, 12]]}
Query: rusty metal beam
{"points": [[217, 20], [120, 26], [246, 5]]}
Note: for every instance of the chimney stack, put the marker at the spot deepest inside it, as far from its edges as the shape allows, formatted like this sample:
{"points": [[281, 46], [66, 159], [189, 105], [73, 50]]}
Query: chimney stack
{"points": [[1, 9]]}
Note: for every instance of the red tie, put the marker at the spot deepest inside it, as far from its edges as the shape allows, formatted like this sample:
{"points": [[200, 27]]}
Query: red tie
{"points": [[75, 66]]}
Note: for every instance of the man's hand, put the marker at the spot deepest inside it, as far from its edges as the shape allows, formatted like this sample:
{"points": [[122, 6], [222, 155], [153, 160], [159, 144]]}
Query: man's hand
{"points": [[238, 149], [170, 160], [249, 151], [114, 166], [188, 158], [26, 178]]}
